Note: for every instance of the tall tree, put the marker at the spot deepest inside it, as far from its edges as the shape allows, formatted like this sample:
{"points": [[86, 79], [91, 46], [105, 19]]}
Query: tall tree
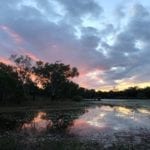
{"points": [[10, 84], [24, 65], [53, 76]]}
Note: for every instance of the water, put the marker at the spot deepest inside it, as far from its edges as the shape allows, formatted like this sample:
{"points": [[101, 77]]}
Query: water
{"points": [[105, 120], [103, 124]]}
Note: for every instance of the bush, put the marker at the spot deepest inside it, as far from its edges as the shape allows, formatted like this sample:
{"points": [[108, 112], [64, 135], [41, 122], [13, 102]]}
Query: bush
{"points": [[77, 98], [7, 143]]}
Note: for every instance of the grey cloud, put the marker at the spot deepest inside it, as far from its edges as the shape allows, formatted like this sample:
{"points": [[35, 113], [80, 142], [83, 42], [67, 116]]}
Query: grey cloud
{"points": [[89, 31], [139, 11], [90, 42], [124, 53], [120, 12], [109, 28], [78, 8], [125, 43]]}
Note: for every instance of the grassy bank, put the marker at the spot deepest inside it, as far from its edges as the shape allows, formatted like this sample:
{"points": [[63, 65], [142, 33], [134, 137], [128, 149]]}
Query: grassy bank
{"points": [[34, 106]]}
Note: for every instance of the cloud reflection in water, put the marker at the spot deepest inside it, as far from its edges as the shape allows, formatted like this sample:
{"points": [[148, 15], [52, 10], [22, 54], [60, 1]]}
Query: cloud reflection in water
{"points": [[106, 119]]}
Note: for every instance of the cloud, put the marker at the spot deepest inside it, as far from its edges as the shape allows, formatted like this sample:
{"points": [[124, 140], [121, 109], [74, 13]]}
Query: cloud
{"points": [[119, 12], [125, 54], [54, 30], [77, 9], [17, 39]]}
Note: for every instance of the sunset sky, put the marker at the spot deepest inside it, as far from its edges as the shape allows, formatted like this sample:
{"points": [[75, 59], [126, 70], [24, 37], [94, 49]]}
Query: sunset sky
{"points": [[107, 40]]}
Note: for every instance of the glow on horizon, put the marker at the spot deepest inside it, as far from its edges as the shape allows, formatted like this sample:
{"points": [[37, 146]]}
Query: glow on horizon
{"points": [[123, 86]]}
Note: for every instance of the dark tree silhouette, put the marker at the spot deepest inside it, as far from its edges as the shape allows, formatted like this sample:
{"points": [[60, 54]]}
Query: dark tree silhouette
{"points": [[54, 76], [10, 84]]}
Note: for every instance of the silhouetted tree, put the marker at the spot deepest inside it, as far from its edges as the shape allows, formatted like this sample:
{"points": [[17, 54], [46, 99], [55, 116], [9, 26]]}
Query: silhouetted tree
{"points": [[10, 84], [24, 68], [54, 76]]}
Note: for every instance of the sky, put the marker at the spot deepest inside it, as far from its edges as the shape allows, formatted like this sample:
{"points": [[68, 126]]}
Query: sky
{"points": [[107, 40]]}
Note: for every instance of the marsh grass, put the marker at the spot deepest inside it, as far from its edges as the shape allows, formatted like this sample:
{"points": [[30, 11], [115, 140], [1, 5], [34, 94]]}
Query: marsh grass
{"points": [[10, 143]]}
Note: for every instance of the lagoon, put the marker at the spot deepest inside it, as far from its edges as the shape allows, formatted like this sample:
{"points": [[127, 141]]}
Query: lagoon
{"points": [[108, 124]]}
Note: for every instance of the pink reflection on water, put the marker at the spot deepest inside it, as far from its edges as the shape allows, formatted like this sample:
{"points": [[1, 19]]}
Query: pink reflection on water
{"points": [[39, 123], [82, 127], [106, 120]]}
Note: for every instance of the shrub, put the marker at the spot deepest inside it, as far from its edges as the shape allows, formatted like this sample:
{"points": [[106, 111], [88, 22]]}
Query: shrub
{"points": [[77, 98], [8, 143]]}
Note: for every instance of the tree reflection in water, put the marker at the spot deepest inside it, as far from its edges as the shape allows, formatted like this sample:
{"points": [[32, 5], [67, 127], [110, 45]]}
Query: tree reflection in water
{"points": [[39, 123], [103, 124], [50, 121]]}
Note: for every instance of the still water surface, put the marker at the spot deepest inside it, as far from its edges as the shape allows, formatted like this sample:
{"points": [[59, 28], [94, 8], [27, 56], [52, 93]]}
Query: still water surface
{"points": [[100, 123], [94, 121]]}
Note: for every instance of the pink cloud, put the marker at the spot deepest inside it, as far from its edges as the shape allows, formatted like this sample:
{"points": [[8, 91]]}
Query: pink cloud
{"points": [[15, 36], [6, 61]]}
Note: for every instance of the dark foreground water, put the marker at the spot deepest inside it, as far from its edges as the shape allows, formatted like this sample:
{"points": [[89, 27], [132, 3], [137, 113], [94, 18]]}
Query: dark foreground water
{"points": [[96, 127]]}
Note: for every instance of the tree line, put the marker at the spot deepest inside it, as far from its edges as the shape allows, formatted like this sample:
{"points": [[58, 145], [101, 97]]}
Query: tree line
{"points": [[129, 93], [28, 79], [31, 79]]}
